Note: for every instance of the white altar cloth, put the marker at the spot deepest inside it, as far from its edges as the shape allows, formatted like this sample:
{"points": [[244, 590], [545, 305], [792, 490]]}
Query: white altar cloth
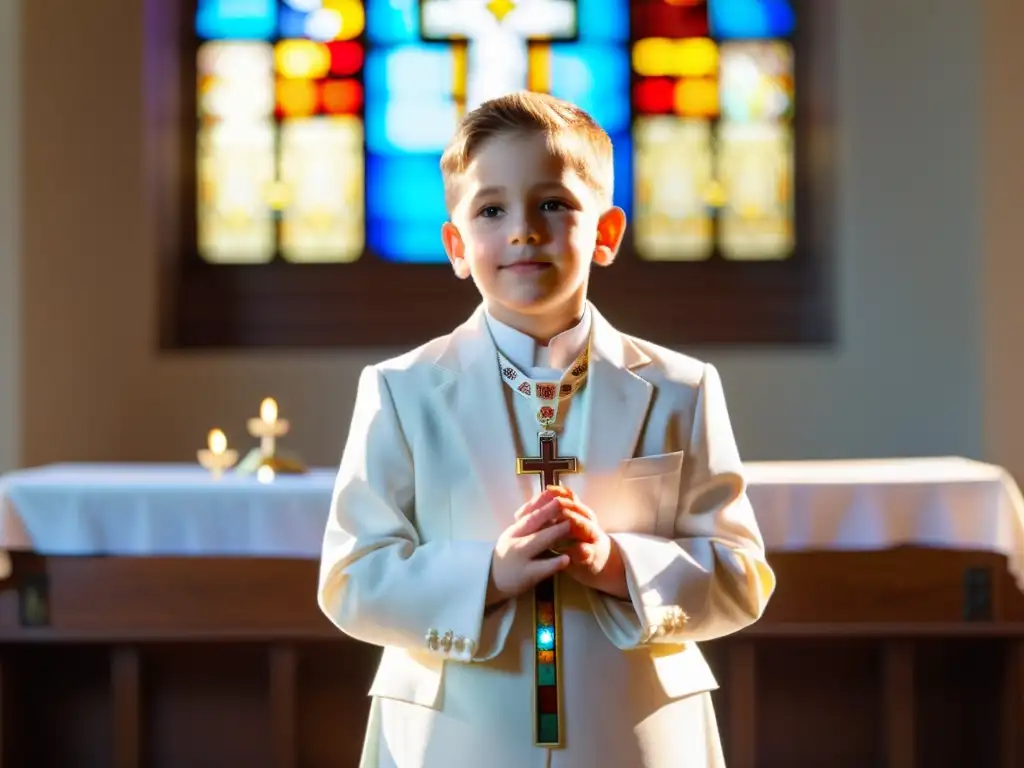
{"points": [[179, 510]]}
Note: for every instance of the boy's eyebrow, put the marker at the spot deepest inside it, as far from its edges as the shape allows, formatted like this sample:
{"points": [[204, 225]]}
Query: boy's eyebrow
{"points": [[498, 190], [485, 191]]}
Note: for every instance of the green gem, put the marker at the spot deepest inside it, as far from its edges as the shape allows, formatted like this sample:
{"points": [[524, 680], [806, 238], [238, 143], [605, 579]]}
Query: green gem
{"points": [[548, 729], [545, 674]]}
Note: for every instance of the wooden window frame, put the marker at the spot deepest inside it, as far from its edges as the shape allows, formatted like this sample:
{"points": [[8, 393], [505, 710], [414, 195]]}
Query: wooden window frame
{"points": [[373, 303]]}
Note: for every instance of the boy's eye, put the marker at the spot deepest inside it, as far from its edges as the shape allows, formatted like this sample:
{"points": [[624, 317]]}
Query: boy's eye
{"points": [[553, 205], [490, 211]]}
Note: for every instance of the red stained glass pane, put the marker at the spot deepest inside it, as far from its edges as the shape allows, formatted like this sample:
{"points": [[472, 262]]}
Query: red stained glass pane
{"points": [[660, 18], [346, 57], [654, 95]]}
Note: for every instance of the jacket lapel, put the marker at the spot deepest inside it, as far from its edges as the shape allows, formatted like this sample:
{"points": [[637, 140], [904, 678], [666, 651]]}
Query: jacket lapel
{"points": [[474, 399], [617, 407]]}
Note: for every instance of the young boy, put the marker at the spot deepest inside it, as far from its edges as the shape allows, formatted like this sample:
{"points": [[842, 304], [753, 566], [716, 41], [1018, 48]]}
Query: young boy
{"points": [[537, 516]]}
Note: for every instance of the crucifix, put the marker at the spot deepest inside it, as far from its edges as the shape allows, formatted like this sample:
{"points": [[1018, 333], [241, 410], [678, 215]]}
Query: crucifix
{"points": [[549, 465], [547, 721], [497, 36]]}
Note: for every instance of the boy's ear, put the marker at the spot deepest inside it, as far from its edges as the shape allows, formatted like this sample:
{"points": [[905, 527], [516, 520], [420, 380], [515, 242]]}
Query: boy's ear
{"points": [[455, 248], [611, 228]]}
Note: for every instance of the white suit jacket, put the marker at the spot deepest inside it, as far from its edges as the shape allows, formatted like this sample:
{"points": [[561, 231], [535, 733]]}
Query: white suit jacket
{"points": [[427, 483]]}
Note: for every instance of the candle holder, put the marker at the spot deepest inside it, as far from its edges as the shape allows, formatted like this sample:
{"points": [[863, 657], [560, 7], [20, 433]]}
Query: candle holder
{"points": [[217, 458], [268, 428]]}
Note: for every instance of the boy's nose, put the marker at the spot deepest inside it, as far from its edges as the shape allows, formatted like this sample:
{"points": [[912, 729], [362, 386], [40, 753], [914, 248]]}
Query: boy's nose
{"points": [[524, 233], [524, 237]]}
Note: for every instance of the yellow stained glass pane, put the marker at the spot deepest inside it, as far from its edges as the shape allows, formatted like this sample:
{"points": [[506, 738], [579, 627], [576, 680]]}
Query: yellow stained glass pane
{"points": [[236, 81], [664, 57], [696, 97], [674, 167], [322, 204], [297, 98], [302, 58], [235, 169], [756, 81], [755, 167]]}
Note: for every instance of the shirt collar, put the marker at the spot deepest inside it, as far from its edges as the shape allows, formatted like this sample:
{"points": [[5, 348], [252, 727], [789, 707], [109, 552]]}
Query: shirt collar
{"points": [[526, 353]]}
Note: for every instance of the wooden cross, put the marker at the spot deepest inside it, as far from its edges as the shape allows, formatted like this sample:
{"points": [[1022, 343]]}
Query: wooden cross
{"points": [[549, 465]]}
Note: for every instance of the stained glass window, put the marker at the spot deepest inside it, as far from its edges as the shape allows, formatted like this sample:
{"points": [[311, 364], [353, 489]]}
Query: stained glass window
{"points": [[321, 122]]}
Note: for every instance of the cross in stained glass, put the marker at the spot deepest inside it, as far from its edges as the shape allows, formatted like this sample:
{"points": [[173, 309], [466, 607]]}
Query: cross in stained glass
{"points": [[498, 35]]}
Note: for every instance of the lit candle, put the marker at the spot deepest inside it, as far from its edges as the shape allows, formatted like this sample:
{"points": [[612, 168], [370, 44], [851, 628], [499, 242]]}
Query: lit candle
{"points": [[216, 457], [217, 442], [268, 427], [268, 414]]}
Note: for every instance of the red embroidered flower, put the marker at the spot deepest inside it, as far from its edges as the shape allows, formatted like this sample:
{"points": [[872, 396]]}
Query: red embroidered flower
{"points": [[566, 389], [546, 391], [525, 387], [580, 369], [547, 413]]}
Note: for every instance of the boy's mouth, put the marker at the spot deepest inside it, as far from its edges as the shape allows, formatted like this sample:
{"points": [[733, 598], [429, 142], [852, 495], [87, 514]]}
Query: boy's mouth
{"points": [[528, 266]]}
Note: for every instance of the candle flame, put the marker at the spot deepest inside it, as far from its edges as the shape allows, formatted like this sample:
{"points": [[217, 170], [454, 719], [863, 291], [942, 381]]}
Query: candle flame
{"points": [[217, 441], [268, 410]]}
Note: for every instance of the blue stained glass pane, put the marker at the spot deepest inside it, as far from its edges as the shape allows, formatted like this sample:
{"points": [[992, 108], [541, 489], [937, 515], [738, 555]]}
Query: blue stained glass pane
{"points": [[603, 20], [407, 126], [408, 242], [292, 23], [391, 22], [594, 77], [745, 19], [424, 71], [236, 19], [622, 194], [408, 103], [405, 207]]}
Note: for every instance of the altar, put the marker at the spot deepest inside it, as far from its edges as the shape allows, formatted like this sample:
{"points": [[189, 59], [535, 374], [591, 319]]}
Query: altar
{"points": [[155, 616]]}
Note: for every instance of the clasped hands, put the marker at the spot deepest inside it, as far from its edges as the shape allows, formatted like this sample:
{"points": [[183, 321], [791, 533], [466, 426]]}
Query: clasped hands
{"points": [[555, 517]]}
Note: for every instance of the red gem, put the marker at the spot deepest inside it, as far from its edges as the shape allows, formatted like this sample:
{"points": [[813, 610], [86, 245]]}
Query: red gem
{"points": [[547, 699], [525, 388]]}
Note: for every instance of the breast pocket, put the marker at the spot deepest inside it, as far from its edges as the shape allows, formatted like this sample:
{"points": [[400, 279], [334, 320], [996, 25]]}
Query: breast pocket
{"points": [[649, 493]]}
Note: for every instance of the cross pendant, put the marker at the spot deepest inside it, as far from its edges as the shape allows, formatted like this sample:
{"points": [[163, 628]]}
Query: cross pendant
{"points": [[549, 465], [547, 720]]}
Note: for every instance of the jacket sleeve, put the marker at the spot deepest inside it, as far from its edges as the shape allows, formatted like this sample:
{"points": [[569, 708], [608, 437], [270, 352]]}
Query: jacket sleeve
{"points": [[712, 578], [379, 583]]}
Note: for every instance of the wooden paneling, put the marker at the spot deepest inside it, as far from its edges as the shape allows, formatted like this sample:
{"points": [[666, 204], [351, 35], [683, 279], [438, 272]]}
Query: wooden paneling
{"points": [[862, 660]]}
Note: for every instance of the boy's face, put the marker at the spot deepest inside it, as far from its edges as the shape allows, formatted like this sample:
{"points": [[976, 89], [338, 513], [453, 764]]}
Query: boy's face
{"points": [[526, 228]]}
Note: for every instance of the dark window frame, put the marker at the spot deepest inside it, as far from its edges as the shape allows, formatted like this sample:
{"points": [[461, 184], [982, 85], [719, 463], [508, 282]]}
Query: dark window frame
{"points": [[373, 303]]}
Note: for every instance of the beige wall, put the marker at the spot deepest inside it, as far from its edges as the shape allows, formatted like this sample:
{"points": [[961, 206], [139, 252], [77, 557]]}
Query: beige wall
{"points": [[10, 222], [906, 378], [1002, 174]]}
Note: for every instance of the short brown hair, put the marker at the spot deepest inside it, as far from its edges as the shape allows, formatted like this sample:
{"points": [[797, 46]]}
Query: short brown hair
{"points": [[572, 133]]}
